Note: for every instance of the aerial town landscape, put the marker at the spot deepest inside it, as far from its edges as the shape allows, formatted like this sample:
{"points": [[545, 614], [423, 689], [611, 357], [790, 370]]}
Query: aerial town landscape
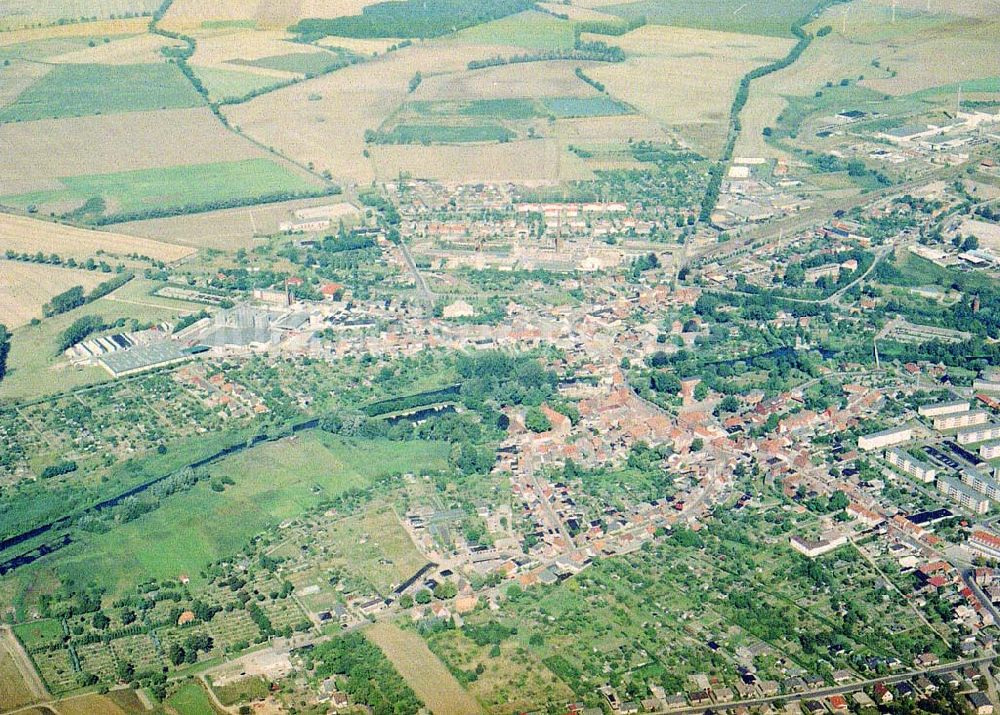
{"points": [[584, 357]]}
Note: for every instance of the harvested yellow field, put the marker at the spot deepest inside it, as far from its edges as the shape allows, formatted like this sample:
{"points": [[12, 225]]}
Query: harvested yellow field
{"points": [[89, 705], [135, 25], [955, 51], [924, 50], [227, 229], [14, 693], [687, 77], [28, 235], [323, 120], [36, 153], [126, 51], [17, 77], [422, 670], [221, 48], [609, 130], [26, 287], [537, 79], [533, 161]]}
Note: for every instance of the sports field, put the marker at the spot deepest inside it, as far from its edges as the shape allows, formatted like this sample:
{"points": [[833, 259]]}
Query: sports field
{"points": [[273, 482], [422, 670]]}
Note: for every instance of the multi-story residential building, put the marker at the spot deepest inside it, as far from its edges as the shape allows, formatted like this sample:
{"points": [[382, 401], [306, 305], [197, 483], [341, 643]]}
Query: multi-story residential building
{"points": [[985, 485], [908, 464], [885, 438], [943, 408], [959, 420], [990, 450], [979, 434], [963, 495]]}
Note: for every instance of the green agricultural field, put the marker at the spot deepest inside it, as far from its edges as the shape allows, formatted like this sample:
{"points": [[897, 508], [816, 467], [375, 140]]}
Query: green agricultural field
{"points": [[411, 18], [307, 63], [501, 108], [232, 84], [40, 49], [273, 482], [531, 30], [80, 90], [191, 699], [601, 106], [193, 186], [446, 134], [773, 18]]}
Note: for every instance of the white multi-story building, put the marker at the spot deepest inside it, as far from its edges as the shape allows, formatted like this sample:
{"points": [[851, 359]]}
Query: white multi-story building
{"points": [[990, 450], [908, 464], [959, 420], [943, 408], [979, 434], [963, 495], [885, 438], [985, 485]]}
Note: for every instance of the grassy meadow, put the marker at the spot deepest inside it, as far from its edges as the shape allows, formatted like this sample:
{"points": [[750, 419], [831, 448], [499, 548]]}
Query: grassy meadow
{"points": [[274, 482], [191, 699]]}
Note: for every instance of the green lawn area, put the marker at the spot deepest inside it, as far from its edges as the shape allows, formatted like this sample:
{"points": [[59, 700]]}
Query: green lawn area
{"points": [[191, 699], [601, 106], [242, 691], [232, 84], [194, 185], [38, 633], [274, 482], [761, 18], [78, 90], [446, 134], [531, 30]]}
